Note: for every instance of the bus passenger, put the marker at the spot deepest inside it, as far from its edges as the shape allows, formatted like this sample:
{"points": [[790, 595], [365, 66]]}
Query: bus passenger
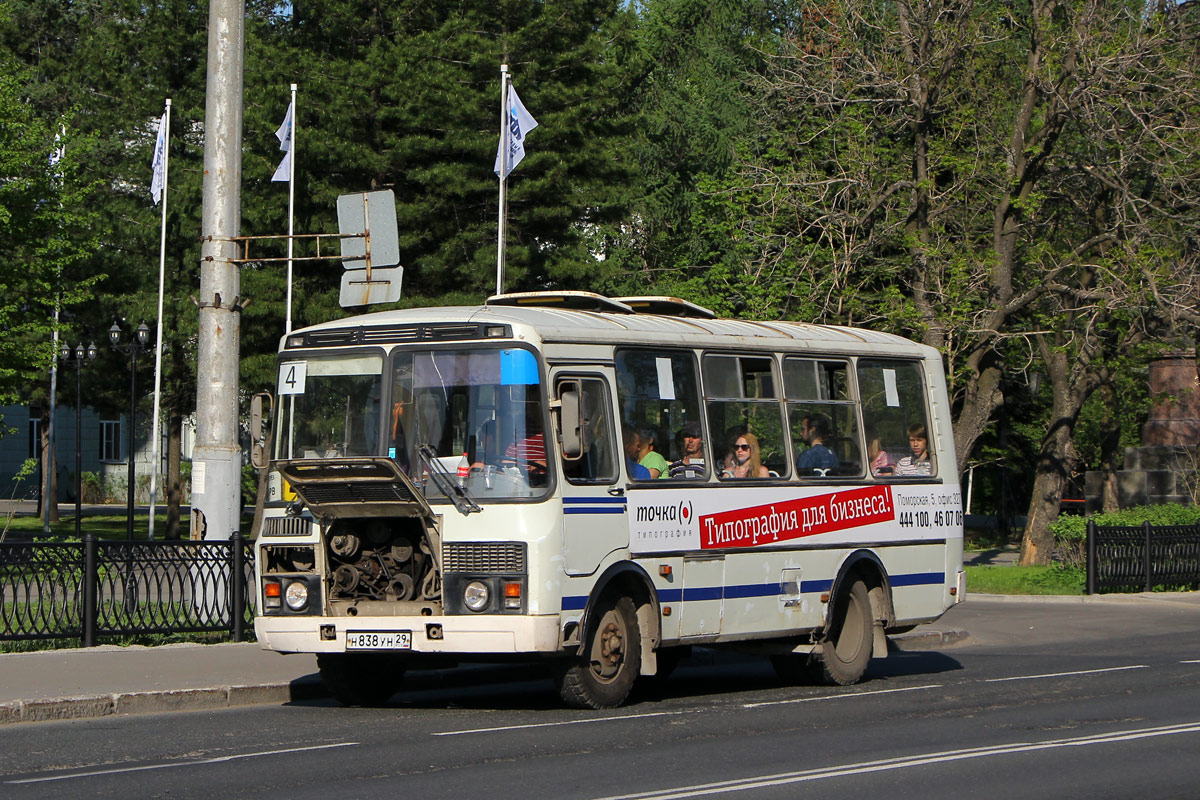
{"points": [[648, 457], [880, 460], [918, 463], [818, 458], [529, 453], [691, 465], [745, 458], [629, 439]]}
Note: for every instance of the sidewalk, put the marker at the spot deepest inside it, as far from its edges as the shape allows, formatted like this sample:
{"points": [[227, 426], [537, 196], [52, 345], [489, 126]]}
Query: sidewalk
{"points": [[98, 681]]}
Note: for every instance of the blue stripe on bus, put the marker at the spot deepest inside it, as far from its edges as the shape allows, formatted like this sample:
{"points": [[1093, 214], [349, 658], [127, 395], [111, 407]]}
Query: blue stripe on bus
{"points": [[601, 510], [918, 579], [759, 590], [590, 500]]}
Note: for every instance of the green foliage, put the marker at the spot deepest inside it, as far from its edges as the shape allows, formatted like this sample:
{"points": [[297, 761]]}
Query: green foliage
{"points": [[1074, 528]]}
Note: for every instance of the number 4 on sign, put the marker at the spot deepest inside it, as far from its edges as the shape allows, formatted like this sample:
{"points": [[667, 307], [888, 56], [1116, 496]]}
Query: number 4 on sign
{"points": [[291, 377]]}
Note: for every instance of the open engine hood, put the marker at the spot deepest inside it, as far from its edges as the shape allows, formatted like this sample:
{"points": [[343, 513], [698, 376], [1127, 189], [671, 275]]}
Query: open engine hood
{"points": [[335, 488]]}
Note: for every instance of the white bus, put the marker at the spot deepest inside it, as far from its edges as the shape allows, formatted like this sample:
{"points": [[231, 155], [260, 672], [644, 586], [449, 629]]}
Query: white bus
{"points": [[453, 484]]}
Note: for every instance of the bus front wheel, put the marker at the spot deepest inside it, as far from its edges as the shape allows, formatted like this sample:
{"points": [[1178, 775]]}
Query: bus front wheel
{"points": [[602, 674], [846, 651]]}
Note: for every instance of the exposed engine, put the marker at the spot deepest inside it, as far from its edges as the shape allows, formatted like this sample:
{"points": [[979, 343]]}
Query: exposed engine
{"points": [[380, 559]]}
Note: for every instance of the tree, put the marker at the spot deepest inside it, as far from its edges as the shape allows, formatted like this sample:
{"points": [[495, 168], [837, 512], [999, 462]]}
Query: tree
{"points": [[941, 170]]}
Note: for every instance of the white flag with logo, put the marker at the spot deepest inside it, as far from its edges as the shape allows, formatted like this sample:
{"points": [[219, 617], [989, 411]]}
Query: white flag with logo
{"points": [[520, 123], [160, 161], [284, 171]]}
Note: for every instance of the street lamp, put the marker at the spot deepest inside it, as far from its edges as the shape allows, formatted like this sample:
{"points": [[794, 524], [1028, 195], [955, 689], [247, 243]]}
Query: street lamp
{"points": [[78, 363], [140, 344]]}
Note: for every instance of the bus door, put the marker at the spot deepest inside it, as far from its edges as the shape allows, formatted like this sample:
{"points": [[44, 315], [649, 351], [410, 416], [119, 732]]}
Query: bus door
{"points": [[594, 503]]}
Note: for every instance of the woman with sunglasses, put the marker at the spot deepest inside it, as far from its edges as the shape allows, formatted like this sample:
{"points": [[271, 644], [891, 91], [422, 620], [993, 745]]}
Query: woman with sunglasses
{"points": [[744, 460]]}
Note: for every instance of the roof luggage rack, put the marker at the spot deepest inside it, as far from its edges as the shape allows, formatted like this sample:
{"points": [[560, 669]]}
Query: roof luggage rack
{"points": [[666, 306], [576, 301]]}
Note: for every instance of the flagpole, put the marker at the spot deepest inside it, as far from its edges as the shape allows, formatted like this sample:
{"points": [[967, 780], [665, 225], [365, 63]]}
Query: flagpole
{"points": [[291, 205], [158, 342], [503, 175]]}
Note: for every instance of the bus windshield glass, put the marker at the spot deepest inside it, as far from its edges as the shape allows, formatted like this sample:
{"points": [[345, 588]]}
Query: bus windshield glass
{"points": [[329, 406], [483, 407]]}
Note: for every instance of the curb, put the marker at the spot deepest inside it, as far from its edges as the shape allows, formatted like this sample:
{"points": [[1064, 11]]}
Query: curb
{"points": [[928, 640], [104, 705], [1186, 599]]}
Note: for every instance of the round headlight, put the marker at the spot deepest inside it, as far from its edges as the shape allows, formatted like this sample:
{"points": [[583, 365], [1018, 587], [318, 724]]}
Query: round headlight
{"points": [[476, 595], [296, 595]]}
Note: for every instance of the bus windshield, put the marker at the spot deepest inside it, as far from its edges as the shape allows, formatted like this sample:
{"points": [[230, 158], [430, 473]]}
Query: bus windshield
{"points": [[484, 405], [329, 406], [426, 410]]}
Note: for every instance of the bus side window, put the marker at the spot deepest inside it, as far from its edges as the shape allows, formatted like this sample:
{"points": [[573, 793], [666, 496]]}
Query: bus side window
{"points": [[893, 405], [742, 399], [822, 417], [658, 392], [597, 463]]}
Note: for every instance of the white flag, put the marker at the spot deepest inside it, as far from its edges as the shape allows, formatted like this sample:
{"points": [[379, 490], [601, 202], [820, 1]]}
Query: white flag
{"points": [[520, 123], [284, 134], [160, 161]]}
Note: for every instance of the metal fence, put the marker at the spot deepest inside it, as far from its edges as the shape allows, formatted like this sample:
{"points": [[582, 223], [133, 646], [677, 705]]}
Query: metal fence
{"points": [[82, 590], [1140, 558]]}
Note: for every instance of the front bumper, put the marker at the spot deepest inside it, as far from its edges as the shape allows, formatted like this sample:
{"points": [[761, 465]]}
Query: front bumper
{"points": [[483, 634]]}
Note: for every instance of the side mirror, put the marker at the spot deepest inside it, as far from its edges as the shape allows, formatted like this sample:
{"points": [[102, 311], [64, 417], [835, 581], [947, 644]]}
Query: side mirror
{"points": [[258, 438], [570, 424]]}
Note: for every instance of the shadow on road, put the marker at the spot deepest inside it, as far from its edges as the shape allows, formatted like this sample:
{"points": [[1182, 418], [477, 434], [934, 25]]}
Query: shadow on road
{"points": [[709, 673]]}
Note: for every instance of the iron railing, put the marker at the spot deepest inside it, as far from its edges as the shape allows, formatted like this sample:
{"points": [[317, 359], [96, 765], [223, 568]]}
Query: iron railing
{"points": [[1140, 558], [82, 590]]}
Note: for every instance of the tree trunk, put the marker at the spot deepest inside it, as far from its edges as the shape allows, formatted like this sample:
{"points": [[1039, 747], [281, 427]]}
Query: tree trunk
{"points": [[174, 490], [1110, 456], [1055, 461], [981, 398], [49, 476]]}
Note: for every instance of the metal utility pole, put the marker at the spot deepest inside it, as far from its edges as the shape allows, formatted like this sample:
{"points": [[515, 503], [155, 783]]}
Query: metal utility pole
{"points": [[217, 458]]}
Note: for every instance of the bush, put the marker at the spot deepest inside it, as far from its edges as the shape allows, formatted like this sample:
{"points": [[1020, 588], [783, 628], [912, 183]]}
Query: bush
{"points": [[91, 487], [1070, 532]]}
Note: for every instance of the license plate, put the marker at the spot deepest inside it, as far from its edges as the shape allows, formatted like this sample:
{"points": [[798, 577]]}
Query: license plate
{"points": [[378, 640]]}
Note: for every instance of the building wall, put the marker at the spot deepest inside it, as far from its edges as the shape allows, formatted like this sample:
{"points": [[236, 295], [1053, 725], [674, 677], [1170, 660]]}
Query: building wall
{"points": [[16, 447]]}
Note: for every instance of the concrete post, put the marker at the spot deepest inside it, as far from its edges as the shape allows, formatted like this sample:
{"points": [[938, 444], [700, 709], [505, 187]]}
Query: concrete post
{"points": [[216, 461]]}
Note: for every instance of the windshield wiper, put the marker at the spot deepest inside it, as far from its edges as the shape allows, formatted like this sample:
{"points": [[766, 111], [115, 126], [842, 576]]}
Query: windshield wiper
{"points": [[454, 493]]}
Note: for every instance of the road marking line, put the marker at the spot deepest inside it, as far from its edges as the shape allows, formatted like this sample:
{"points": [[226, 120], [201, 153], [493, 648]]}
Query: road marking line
{"points": [[1066, 674], [923, 759], [839, 696], [1193, 661], [564, 722], [216, 760]]}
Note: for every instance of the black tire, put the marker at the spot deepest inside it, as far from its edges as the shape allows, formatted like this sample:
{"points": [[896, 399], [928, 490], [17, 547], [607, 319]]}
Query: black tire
{"points": [[843, 657], [361, 679], [608, 663]]}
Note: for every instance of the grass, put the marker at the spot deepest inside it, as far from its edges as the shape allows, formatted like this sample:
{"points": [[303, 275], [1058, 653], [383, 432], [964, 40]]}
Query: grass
{"points": [[1025, 580], [113, 526]]}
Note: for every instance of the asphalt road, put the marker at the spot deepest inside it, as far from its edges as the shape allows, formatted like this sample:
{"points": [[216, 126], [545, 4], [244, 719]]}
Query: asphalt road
{"points": [[1048, 701]]}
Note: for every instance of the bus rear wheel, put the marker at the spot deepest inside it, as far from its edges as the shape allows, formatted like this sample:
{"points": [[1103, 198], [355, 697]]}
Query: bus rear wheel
{"points": [[846, 651], [361, 679], [603, 673]]}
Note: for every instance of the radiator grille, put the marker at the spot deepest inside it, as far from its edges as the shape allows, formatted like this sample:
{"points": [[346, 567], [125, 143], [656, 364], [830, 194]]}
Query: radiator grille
{"points": [[500, 557], [354, 493], [286, 526]]}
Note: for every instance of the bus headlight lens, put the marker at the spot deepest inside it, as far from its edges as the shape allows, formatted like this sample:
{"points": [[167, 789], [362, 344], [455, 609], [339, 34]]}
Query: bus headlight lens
{"points": [[297, 595], [476, 595]]}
